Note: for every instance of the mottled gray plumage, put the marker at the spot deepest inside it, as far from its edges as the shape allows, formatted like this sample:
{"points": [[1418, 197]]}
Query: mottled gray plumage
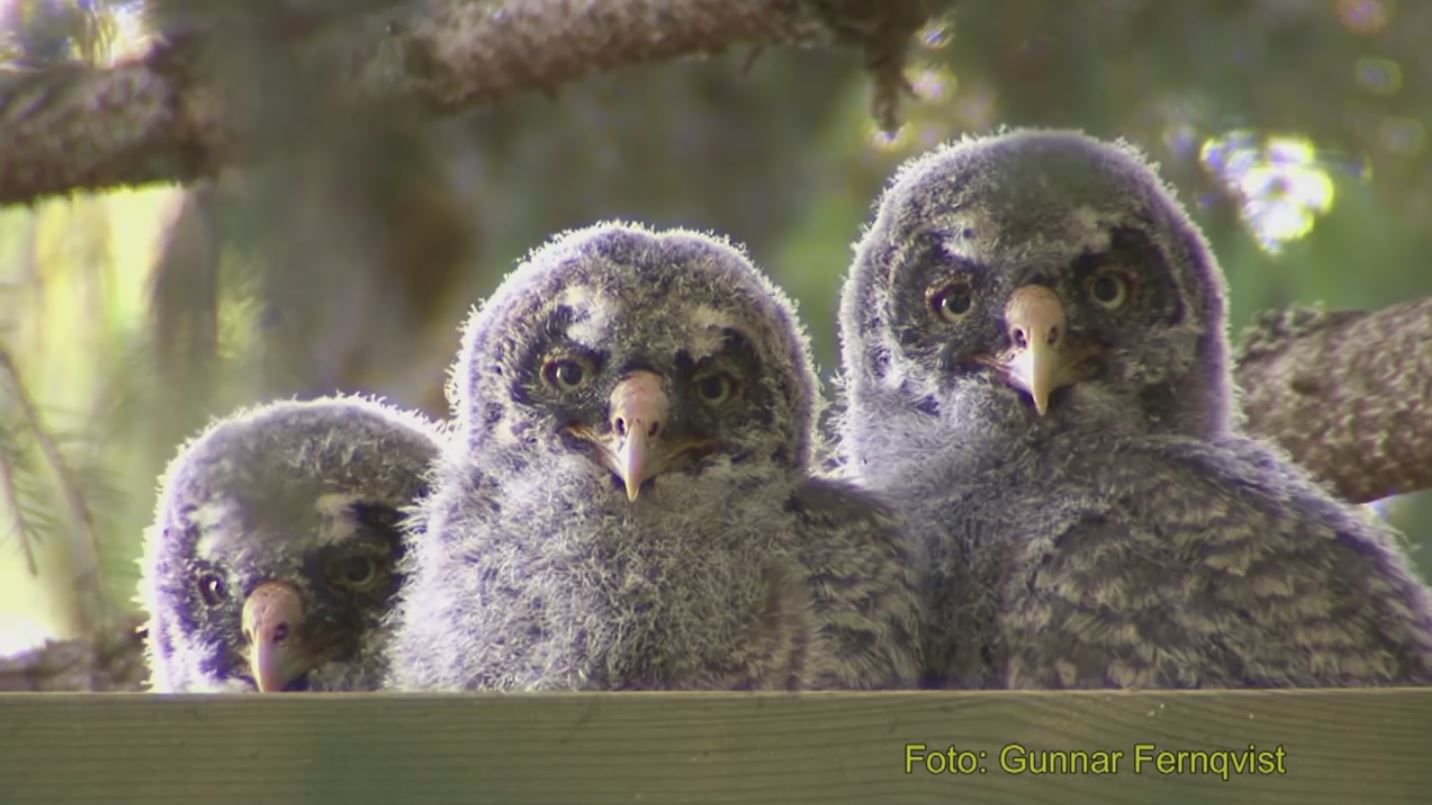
{"points": [[1036, 366], [569, 546], [280, 528]]}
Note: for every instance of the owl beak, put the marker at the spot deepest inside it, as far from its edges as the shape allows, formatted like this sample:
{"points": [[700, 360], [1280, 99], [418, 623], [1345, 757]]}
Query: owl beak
{"points": [[1038, 363], [272, 616], [639, 411]]}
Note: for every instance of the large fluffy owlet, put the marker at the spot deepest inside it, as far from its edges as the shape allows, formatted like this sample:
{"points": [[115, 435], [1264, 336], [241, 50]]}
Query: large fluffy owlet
{"points": [[1036, 368], [627, 502], [273, 557]]}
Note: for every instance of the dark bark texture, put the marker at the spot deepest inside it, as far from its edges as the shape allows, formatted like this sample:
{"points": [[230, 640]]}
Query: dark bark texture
{"points": [[168, 118], [1347, 393]]}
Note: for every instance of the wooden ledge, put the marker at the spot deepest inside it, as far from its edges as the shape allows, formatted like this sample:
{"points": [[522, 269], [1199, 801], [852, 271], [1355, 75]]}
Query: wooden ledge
{"points": [[1337, 746]]}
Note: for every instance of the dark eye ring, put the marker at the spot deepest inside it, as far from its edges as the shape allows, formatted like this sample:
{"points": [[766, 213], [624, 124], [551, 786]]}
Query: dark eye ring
{"points": [[212, 588], [357, 572], [1109, 289], [715, 388], [567, 374], [952, 302]]}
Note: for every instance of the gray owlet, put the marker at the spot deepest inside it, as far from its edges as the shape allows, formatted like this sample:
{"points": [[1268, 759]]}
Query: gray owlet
{"points": [[272, 559], [627, 503], [1036, 364]]}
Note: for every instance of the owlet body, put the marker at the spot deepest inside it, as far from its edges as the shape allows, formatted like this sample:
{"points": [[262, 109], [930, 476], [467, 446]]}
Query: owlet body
{"points": [[1036, 366], [273, 557], [627, 504]]}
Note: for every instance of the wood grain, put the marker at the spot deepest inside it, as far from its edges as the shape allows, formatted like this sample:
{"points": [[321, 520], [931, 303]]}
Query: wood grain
{"points": [[1340, 746]]}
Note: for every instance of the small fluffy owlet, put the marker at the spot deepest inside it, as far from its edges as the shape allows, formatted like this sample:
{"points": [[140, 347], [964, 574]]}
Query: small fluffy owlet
{"points": [[273, 556]]}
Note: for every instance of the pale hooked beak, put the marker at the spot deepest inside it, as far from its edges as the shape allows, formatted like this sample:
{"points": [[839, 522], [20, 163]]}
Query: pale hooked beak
{"points": [[272, 624], [1039, 362], [639, 411]]}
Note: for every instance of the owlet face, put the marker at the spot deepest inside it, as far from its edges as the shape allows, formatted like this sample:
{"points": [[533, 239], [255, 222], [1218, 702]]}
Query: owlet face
{"points": [[274, 557], [1038, 281], [634, 359]]}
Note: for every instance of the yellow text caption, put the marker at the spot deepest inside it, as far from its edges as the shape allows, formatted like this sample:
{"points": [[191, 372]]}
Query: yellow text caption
{"points": [[1142, 758]]}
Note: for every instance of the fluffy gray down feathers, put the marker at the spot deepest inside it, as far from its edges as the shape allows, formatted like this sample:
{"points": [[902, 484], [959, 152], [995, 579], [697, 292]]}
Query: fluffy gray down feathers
{"points": [[1132, 536], [279, 492], [738, 570]]}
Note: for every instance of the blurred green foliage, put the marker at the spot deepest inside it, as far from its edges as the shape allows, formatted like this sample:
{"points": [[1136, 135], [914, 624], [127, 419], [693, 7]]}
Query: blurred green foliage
{"points": [[1295, 132]]}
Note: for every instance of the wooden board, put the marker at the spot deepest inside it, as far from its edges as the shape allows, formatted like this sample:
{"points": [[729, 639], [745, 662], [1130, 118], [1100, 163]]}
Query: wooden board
{"points": [[1338, 746]]}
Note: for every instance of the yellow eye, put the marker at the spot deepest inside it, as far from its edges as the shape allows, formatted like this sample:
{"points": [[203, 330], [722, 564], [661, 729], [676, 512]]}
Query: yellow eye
{"points": [[1109, 288], [567, 374], [359, 572], [715, 389], [952, 302]]}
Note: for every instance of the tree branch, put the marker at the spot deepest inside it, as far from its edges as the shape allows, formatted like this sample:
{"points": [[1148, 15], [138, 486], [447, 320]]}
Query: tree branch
{"points": [[162, 119], [85, 551], [110, 660], [20, 526], [1348, 394]]}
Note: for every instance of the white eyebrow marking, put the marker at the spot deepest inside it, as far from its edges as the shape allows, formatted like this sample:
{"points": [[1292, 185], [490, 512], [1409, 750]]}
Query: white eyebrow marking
{"points": [[1091, 228], [577, 296], [709, 332], [598, 309], [208, 516], [336, 516], [706, 316], [334, 504]]}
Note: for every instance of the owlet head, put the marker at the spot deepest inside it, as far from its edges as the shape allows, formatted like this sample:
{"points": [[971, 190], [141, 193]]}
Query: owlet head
{"points": [[1040, 280], [272, 559], [629, 356]]}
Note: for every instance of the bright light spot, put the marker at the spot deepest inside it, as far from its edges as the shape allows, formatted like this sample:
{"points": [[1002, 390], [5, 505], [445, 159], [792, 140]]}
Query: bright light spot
{"points": [[934, 84], [131, 38], [1378, 76], [937, 33], [1363, 16], [20, 633], [1288, 151], [1231, 154], [1281, 184]]}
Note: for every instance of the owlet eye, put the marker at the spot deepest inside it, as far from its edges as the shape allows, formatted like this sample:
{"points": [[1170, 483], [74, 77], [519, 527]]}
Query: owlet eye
{"points": [[1109, 288], [567, 374], [715, 389], [354, 572], [212, 589], [952, 302]]}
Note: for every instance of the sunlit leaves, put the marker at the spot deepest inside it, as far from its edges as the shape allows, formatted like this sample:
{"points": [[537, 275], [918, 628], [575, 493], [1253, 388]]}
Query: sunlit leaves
{"points": [[38, 32], [1280, 183]]}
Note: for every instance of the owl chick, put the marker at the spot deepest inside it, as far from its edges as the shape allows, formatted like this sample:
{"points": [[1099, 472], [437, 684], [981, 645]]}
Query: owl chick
{"points": [[1036, 364], [272, 559], [627, 503]]}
